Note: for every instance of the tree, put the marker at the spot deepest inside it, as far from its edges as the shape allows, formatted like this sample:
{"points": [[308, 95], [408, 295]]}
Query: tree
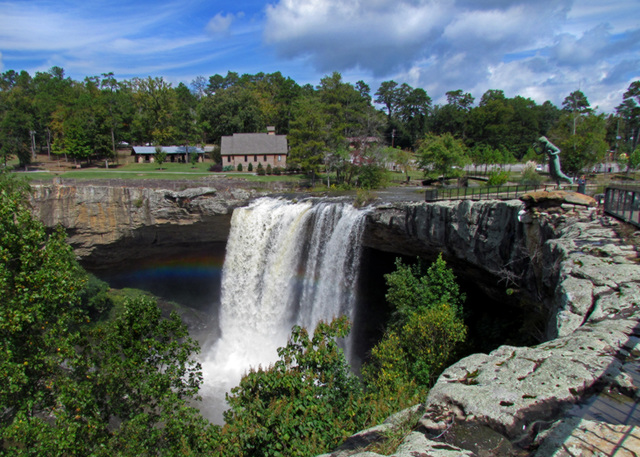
{"points": [[51, 92], [233, 109], [73, 387], [425, 330], [305, 404], [386, 95], [407, 112], [629, 112], [438, 155], [16, 117], [577, 104], [633, 163], [584, 149], [153, 100], [412, 288], [404, 160], [308, 136], [510, 123], [454, 117], [160, 156], [184, 118]]}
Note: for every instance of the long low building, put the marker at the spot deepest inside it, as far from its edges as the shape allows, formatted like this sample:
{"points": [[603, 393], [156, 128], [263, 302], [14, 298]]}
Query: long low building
{"points": [[174, 153], [255, 148]]}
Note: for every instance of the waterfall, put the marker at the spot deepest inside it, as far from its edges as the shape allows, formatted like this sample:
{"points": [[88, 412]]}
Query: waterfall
{"points": [[286, 264]]}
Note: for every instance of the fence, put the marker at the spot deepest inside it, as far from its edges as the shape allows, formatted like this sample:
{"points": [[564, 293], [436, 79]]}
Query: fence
{"points": [[485, 192], [623, 202]]}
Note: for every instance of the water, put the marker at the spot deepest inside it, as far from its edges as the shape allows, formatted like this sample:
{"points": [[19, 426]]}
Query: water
{"points": [[286, 264]]}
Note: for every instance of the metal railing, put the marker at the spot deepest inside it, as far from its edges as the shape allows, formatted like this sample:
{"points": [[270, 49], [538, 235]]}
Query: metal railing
{"points": [[623, 202], [485, 192]]}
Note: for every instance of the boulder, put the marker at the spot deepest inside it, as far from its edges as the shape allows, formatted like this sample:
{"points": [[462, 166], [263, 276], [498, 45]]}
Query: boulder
{"points": [[547, 199]]}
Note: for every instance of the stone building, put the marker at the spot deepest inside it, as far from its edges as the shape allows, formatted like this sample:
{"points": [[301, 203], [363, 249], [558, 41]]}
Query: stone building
{"points": [[255, 148]]}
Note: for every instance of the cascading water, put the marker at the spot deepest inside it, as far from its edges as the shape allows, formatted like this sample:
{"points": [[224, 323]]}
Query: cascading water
{"points": [[286, 264]]}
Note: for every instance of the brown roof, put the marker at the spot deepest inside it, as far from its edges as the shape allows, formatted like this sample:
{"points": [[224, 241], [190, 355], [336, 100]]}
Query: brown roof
{"points": [[253, 143]]}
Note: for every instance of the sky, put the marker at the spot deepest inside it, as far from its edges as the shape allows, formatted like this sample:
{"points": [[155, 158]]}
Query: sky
{"points": [[539, 49]]}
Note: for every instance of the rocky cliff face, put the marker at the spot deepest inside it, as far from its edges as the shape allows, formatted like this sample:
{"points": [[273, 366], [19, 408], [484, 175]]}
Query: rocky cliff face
{"points": [[108, 225]]}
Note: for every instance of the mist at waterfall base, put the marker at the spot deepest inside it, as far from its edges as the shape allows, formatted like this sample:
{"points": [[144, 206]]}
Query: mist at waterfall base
{"points": [[286, 264]]}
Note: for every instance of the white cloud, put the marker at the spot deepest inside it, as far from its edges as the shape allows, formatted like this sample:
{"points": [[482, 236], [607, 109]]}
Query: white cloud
{"points": [[220, 24], [465, 44], [380, 36]]}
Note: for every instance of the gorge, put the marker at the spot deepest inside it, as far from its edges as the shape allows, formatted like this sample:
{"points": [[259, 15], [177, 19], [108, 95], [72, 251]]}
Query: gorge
{"points": [[565, 264]]}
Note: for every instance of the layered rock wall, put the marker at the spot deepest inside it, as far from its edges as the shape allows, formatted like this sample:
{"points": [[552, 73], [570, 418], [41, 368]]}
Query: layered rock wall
{"points": [[108, 225]]}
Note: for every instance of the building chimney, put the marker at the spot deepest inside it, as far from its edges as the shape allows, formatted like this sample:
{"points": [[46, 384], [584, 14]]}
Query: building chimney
{"points": [[271, 130]]}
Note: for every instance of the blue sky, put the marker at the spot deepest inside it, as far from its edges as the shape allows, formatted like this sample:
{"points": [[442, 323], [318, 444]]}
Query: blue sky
{"points": [[542, 49]]}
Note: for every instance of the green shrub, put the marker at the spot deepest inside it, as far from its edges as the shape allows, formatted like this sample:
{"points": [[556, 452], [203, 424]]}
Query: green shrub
{"points": [[417, 352], [95, 298], [250, 167], [260, 169], [363, 198], [227, 168], [303, 405], [269, 170], [530, 176], [415, 287], [372, 176], [497, 178], [425, 330], [239, 167]]}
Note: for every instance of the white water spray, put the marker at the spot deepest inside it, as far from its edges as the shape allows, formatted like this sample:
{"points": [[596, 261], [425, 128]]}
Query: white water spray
{"points": [[286, 264]]}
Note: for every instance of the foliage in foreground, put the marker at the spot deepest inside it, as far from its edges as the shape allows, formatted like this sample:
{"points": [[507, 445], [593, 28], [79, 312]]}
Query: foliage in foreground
{"points": [[425, 331], [305, 404], [70, 388]]}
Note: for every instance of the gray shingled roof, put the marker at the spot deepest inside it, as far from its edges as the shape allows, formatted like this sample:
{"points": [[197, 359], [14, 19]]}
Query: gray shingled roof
{"points": [[167, 149], [253, 143]]}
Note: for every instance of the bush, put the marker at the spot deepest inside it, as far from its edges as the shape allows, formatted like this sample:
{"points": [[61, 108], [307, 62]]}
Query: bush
{"points": [[363, 198], [414, 287], [227, 168], [269, 170], [418, 352], [95, 299], [277, 171], [305, 404], [371, 176], [250, 167], [239, 167], [497, 178], [425, 331], [530, 176], [217, 168], [193, 159]]}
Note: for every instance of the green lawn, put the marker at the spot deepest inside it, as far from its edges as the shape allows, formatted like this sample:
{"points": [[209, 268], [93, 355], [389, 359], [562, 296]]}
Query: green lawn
{"points": [[168, 171]]}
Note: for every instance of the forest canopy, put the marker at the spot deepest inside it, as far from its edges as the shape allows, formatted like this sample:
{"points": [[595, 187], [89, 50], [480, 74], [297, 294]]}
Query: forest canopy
{"points": [[48, 113]]}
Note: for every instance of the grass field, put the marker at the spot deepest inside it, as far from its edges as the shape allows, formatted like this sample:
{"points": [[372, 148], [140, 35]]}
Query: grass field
{"points": [[45, 169]]}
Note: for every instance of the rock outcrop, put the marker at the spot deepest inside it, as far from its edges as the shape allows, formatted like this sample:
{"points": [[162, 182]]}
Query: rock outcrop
{"points": [[107, 225], [528, 395]]}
